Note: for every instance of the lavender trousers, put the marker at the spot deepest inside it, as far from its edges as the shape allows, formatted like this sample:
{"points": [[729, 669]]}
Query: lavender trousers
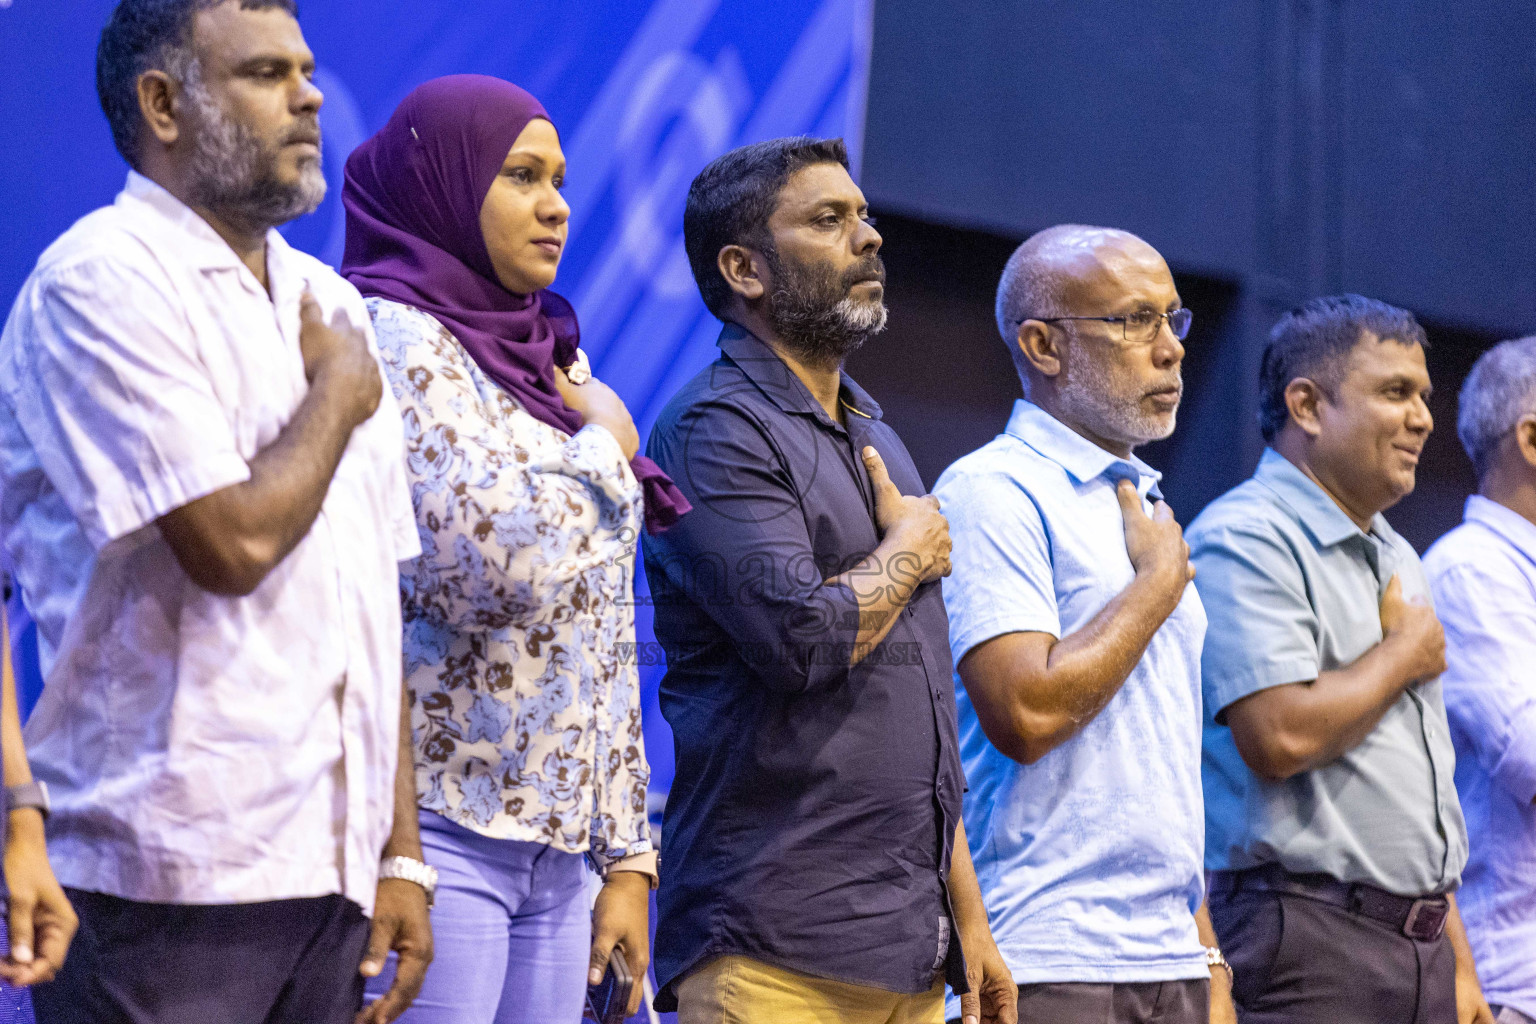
{"points": [[512, 930]]}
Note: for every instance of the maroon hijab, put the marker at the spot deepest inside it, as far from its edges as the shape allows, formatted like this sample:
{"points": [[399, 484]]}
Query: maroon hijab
{"points": [[413, 194]]}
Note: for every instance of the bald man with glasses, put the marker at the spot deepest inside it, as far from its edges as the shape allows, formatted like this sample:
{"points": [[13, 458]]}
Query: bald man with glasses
{"points": [[1078, 636]]}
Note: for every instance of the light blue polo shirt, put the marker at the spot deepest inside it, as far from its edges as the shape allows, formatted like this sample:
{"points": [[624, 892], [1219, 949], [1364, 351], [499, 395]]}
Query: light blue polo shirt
{"points": [[1483, 576], [1090, 859]]}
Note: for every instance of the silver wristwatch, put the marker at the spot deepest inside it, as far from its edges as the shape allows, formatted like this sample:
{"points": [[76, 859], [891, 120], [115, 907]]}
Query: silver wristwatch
{"points": [[1215, 958], [411, 870], [28, 794]]}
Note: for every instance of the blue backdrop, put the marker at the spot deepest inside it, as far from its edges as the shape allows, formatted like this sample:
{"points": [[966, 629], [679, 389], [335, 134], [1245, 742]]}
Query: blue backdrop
{"points": [[644, 92]]}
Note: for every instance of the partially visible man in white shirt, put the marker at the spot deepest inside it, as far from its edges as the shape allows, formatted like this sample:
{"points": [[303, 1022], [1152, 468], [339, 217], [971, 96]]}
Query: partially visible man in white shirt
{"points": [[1483, 577], [202, 490]]}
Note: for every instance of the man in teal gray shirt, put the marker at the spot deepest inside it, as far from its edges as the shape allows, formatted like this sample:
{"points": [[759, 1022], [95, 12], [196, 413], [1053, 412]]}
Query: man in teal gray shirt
{"points": [[1333, 833]]}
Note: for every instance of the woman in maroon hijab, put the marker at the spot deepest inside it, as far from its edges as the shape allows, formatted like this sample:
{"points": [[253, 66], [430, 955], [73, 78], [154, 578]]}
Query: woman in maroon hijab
{"points": [[529, 498]]}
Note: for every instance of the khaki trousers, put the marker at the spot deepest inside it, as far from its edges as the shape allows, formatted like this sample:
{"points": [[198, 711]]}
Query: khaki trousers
{"points": [[740, 990]]}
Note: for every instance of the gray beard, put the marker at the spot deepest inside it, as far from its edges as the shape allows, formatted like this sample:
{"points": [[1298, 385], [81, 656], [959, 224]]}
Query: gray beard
{"points": [[1088, 396], [829, 334], [806, 312], [232, 169]]}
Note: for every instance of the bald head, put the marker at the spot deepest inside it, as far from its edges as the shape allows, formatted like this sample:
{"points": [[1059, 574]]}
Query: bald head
{"points": [[1067, 270], [1057, 309], [1044, 275]]}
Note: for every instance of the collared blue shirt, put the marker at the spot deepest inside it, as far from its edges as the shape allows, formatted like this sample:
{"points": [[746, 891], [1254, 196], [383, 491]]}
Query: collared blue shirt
{"points": [[1294, 588], [811, 818], [1089, 859], [1483, 576]]}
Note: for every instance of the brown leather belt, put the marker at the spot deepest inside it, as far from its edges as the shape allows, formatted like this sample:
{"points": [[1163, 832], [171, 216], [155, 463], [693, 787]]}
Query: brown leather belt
{"points": [[1422, 918]]}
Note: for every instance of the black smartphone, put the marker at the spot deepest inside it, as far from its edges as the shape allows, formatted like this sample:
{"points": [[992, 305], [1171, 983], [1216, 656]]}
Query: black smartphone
{"points": [[608, 1000]]}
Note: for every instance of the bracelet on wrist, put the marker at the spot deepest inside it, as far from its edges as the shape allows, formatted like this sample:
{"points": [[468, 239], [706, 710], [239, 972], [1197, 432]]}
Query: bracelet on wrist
{"points": [[1214, 958]]}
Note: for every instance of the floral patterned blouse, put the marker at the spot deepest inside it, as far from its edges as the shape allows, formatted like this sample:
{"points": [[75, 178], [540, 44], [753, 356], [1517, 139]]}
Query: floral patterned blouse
{"points": [[526, 719]]}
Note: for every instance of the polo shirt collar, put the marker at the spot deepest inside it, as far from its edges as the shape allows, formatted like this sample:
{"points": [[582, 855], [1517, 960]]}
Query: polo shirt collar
{"points": [[775, 379], [197, 244], [1506, 522], [1081, 458], [1319, 513]]}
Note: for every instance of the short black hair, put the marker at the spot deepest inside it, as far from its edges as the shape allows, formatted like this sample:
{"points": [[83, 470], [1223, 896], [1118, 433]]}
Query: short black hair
{"points": [[1314, 341], [729, 203], [146, 35]]}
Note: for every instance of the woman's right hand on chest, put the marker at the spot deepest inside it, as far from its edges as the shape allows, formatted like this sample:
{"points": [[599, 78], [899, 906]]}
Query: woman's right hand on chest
{"points": [[598, 403]]}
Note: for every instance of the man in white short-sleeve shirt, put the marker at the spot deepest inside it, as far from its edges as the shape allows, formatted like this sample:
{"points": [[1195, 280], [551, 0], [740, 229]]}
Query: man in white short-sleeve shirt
{"points": [[202, 489], [1482, 576]]}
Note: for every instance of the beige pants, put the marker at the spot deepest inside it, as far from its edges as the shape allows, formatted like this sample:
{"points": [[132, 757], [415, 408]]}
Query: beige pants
{"points": [[739, 990]]}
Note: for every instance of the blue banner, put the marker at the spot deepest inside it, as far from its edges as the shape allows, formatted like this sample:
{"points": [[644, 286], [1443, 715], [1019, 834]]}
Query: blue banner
{"points": [[644, 92]]}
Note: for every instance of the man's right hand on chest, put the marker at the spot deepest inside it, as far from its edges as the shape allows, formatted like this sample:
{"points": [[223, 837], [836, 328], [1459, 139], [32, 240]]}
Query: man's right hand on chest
{"points": [[228, 541], [336, 355], [1414, 631], [1155, 544], [912, 524]]}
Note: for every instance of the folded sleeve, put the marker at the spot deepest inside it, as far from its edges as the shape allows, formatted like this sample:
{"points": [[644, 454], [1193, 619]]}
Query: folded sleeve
{"points": [[1489, 615], [743, 554], [396, 493], [111, 391], [402, 514], [1001, 579], [1263, 629]]}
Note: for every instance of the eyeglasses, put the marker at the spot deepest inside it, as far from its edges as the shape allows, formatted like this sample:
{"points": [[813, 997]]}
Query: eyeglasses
{"points": [[1138, 328]]}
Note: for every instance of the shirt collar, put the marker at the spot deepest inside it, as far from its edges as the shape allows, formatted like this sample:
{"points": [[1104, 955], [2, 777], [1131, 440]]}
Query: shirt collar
{"points": [[1505, 522], [1320, 514], [199, 245], [1081, 458], [775, 379]]}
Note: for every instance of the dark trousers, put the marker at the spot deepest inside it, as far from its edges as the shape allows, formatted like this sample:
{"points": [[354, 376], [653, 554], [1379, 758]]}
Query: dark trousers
{"points": [[1300, 961], [281, 962], [1152, 1002]]}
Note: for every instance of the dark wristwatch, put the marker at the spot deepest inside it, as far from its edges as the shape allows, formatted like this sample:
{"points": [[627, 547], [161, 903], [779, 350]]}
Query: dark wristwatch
{"points": [[30, 794]]}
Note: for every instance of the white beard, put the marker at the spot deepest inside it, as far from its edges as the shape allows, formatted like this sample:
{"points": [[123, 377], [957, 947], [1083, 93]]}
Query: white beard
{"points": [[1090, 395]]}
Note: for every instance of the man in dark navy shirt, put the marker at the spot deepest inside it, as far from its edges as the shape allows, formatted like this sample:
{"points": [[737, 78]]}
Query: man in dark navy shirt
{"points": [[813, 860]]}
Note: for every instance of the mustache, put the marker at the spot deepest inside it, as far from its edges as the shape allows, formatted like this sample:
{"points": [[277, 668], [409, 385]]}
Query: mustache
{"points": [[869, 268], [307, 130]]}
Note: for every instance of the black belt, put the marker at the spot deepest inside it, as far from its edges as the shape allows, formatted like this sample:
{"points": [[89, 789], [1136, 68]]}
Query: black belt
{"points": [[1422, 918]]}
